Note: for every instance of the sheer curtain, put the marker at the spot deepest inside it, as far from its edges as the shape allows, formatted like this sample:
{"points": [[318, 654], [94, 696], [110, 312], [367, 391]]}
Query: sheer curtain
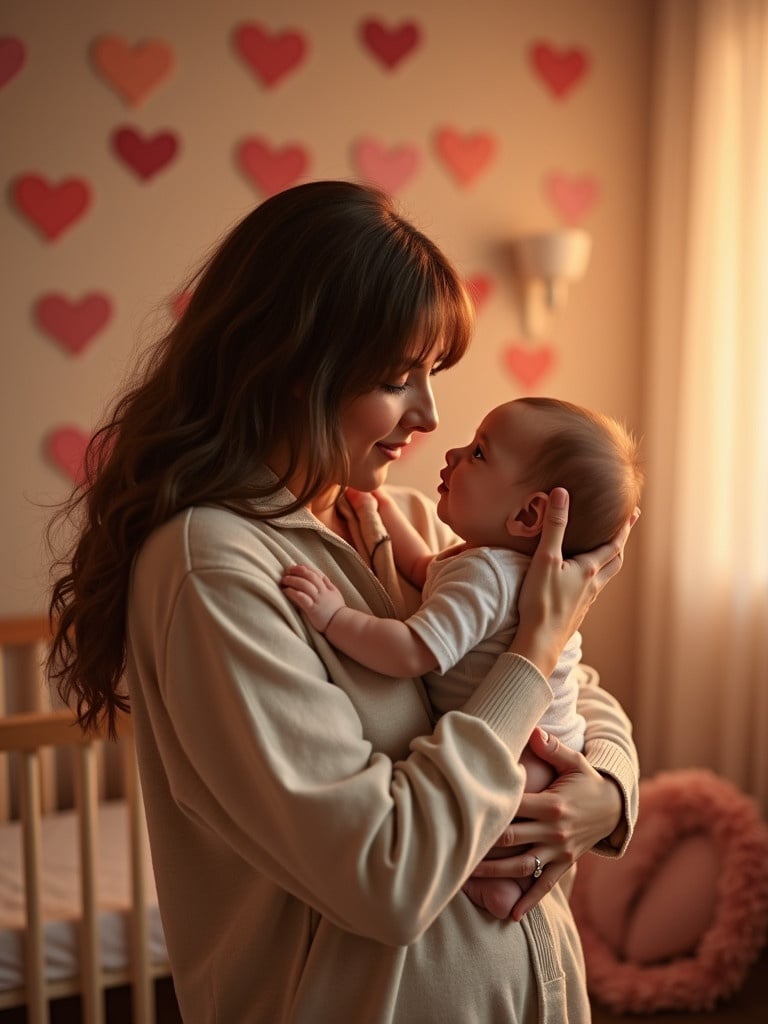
{"points": [[703, 698]]}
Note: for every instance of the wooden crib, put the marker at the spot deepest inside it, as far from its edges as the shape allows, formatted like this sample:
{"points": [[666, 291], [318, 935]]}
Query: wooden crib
{"points": [[59, 786]]}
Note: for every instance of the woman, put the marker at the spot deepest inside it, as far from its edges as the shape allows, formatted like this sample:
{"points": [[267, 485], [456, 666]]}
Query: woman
{"points": [[310, 828]]}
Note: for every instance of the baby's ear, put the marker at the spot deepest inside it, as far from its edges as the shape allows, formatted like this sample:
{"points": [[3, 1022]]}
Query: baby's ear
{"points": [[529, 520]]}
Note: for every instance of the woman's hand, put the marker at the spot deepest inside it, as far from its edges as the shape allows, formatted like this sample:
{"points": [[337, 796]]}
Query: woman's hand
{"points": [[557, 594], [558, 825]]}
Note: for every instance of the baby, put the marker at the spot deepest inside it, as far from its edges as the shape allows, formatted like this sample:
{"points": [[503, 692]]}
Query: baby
{"points": [[493, 495]]}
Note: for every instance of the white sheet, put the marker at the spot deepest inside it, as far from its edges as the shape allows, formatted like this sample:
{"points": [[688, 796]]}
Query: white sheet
{"points": [[61, 897]]}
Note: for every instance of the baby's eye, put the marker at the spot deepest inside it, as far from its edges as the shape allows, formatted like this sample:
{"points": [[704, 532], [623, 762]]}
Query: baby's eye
{"points": [[477, 452]]}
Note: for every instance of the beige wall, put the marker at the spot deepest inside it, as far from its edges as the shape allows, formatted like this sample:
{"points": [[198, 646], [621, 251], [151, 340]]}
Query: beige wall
{"points": [[470, 72]]}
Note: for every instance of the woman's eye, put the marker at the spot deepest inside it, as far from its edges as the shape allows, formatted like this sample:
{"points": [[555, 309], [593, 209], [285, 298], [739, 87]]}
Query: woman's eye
{"points": [[394, 389]]}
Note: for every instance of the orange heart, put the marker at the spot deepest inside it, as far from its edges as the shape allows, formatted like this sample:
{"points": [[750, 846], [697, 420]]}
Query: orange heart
{"points": [[529, 365], [133, 71], [465, 156], [73, 324], [480, 287], [270, 169]]}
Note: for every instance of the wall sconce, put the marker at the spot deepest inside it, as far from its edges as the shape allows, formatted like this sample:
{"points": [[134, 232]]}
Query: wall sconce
{"points": [[548, 263]]}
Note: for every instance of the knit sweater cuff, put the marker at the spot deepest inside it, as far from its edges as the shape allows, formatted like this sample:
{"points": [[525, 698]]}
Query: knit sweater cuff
{"points": [[609, 759], [511, 699]]}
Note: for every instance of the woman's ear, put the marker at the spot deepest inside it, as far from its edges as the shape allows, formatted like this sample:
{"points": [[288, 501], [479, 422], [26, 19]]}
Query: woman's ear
{"points": [[529, 520]]}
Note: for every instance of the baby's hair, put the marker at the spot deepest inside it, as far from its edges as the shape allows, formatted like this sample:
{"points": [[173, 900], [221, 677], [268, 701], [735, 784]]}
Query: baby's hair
{"points": [[597, 460]]}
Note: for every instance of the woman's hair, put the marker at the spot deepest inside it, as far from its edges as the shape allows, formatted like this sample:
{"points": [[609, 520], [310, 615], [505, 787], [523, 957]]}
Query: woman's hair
{"points": [[597, 460], [322, 292]]}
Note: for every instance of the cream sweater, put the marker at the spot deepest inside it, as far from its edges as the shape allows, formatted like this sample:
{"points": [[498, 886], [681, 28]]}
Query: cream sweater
{"points": [[310, 829]]}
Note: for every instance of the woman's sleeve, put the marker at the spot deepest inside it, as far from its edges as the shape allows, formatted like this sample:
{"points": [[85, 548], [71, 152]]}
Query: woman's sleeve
{"points": [[609, 748], [262, 750]]}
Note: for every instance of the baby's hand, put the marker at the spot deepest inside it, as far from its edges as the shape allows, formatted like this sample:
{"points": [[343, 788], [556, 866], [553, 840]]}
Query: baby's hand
{"points": [[313, 593]]}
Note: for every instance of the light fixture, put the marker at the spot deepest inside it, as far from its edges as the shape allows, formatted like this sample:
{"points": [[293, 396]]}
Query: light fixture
{"points": [[548, 264]]}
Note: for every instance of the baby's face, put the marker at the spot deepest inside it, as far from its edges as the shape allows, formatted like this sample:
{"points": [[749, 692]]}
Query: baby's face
{"points": [[488, 481]]}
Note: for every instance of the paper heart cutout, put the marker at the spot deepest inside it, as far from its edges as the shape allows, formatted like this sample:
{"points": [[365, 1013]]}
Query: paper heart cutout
{"points": [[390, 169], [51, 208], [560, 70], [465, 156], [73, 324], [13, 55], [133, 71], [573, 198], [390, 45], [529, 365], [270, 56], [480, 287], [272, 170], [65, 447], [145, 156]]}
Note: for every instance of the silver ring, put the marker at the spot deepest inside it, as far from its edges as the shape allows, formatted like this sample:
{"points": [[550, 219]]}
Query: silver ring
{"points": [[539, 868]]}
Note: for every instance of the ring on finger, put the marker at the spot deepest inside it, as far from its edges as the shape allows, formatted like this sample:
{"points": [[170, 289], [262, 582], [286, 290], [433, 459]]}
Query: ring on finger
{"points": [[538, 869]]}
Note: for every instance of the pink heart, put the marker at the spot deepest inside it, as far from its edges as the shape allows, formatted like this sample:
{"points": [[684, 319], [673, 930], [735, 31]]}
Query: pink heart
{"points": [[12, 57], [65, 447], [480, 287], [73, 324], [465, 156], [390, 169], [559, 69], [573, 198], [528, 365], [51, 208], [271, 56], [390, 45], [133, 71], [145, 156], [272, 170]]}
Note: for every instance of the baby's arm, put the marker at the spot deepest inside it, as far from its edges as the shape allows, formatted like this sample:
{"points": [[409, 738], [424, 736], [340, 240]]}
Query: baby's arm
{"points": [[412, 553], [388, 646]]}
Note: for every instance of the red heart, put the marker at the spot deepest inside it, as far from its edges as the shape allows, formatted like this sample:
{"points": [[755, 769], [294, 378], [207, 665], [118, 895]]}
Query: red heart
{"points": [[133, 71], [573, 198], [179, 303], [480, 287], [528, 365], [145, 156], [465, 156], [270, 56], [390, 45], [52, 208], [12, 57], [559, 69], [73, 324], [65, 448], [390, 169], [272, 170]]}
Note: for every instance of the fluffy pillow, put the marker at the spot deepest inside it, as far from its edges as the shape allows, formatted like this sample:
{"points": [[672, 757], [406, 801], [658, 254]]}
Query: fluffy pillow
{"points": [[676, 923]]}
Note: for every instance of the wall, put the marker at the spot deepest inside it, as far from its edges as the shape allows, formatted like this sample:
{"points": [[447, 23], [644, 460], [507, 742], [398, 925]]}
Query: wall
{"points": [[577, 123]]}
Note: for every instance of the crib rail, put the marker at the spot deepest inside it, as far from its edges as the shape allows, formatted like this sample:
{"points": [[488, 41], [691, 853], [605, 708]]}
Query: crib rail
{"points": [[32, 736]]}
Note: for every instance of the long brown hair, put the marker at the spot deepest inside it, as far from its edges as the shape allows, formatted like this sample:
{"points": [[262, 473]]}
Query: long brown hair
{"points": [[319, 293]]}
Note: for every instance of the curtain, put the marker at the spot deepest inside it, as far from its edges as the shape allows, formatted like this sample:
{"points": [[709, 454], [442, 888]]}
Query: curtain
{"points": [[703, 673]]}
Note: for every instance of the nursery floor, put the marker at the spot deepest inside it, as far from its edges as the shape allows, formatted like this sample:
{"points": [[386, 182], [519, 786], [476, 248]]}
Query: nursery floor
{"points": [[749, 1006]]}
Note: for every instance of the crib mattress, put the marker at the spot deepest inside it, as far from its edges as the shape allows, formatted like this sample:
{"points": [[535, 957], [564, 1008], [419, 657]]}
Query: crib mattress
{"points": [[61, 897]]}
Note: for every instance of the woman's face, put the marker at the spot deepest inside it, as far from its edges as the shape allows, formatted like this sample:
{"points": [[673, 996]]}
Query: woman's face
{"points": [[379, 425]]}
